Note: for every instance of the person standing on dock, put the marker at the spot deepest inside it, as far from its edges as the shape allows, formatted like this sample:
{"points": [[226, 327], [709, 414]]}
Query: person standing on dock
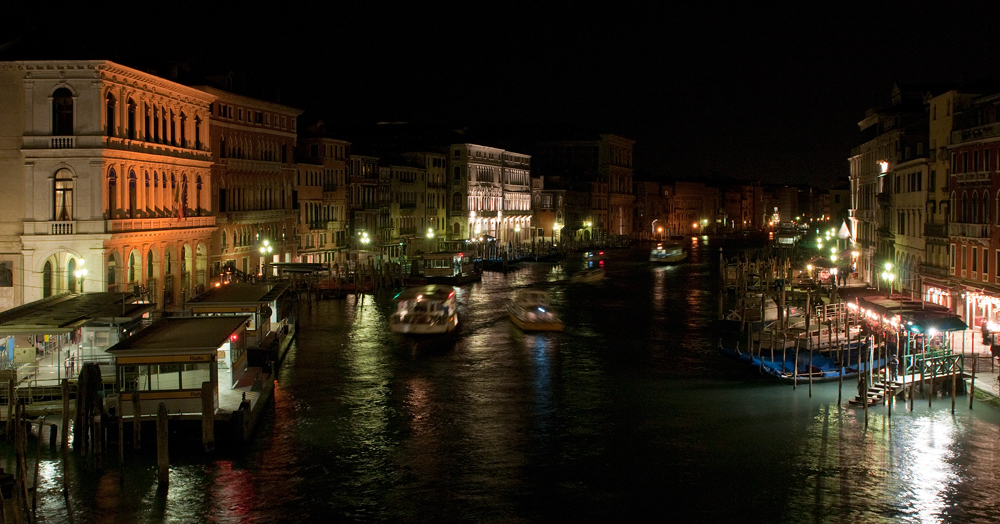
{"points": [[893, 367], [862, 387]]}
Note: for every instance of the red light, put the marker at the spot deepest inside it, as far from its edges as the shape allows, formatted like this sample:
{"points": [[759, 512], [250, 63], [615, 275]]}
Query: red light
{"points": [[451, 294], [234, 337], [600, 252]]}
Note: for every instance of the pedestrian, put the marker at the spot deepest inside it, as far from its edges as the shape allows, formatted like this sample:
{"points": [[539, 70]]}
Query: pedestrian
{"points": [[893, 366], [862, 387]]}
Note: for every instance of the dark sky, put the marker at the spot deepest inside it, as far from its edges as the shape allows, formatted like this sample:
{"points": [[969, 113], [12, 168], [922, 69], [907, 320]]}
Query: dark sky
{"points": [[752, 92]]}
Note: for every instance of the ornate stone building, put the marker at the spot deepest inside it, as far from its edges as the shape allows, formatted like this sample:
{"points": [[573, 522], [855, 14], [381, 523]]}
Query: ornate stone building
{"points": [[253, 176], [106, 169]]}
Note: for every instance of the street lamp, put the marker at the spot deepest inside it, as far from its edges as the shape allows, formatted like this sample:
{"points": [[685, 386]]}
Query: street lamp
{"points": [[888, 276], [81, 274], [265, 252], [364, 238]]}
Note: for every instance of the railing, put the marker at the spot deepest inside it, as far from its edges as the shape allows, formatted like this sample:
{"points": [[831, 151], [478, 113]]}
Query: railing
{"points": [[933, 271], [975, 133], [252, 165], [969, 230], [63, 142], [407, 205], [61, 228], [975, 176], [143, 224]]}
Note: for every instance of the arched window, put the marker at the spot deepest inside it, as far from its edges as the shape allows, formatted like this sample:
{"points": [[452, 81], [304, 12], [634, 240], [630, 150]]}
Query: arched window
{"points": [[183, 142], [131, 268], [112, 193], [964, 208], [47, 280], [456, 202], [197, 132], [111, 274], [62, 112], [145, 121], [223, 240], [149, 265], [109, 115], [974, 208], [131, 118], [63, 195], [173, 129], [131, 194], [184, 195], [156, 124], [222, 147], [197, 196]]}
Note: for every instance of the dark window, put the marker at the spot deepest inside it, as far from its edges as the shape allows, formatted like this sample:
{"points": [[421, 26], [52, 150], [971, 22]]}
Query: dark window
{"points": [[109, 114], [183, 142], [62, 112], [131, 194], [131, 119], [112, 193]]}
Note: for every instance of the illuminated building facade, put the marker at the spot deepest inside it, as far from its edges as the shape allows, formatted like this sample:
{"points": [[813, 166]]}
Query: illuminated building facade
{"points": [[363, 199], [253, 177], [909, 190], [890, 135], [106, 172], [496, 184], [974, 210], [322, 188]]}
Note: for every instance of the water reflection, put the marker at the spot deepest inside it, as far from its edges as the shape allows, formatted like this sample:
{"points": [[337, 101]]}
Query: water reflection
{"points": [[628, 415]]}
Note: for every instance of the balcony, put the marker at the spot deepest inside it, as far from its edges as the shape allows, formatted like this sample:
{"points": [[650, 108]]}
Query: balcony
{"points": [[975, 176], [259, 166], [407, 205], [151, 224], [975, 133], [969, 230]]}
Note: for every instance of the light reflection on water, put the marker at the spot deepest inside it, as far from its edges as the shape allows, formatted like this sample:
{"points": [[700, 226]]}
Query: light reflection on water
{"points": [[630, 414]]}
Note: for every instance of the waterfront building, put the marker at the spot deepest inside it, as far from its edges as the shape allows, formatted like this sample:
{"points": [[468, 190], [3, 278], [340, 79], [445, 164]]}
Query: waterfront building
{"points": [[435, 225], [495, 181], [909, 198], [322, 188], [363, 198], [253, 178], [744, 208], [974, 210], [649, 211], [604, 162], [937, 285], [549, 214], [694, 206], [107, 171], [890, 135], [407, 216]]}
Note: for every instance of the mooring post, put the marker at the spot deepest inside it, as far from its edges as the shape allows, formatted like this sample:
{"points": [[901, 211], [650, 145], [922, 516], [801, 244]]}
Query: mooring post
{"points": [[162, 451], [65, 414], [954, 386], [136, 421], [10, 408], [972, 387], [207, 418]]}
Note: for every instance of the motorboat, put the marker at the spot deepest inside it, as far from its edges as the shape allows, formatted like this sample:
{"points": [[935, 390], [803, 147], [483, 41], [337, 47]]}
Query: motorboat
{"points": [[530, 310], [425, 310], [667, 254], [590, 274]]}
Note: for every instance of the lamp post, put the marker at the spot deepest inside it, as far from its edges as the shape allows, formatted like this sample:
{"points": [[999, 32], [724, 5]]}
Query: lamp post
{"points": [[265, 252], [517, 239], [430, 240], [81, 274], [888, 276]]}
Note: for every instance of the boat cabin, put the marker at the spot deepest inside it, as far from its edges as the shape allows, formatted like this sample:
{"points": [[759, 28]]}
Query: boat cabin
{"points": [[169, 361]]}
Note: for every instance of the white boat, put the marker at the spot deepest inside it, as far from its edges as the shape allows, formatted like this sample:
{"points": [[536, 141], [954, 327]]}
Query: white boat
{"points": [[425, 310], [590, 274], [667, 254], [530, 311]]}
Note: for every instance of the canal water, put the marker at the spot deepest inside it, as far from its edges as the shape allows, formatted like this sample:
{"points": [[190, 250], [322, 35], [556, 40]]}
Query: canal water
{"points": [[630, 415]]}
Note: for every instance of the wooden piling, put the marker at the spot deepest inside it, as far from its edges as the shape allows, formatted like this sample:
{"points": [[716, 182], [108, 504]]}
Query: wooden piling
{"points": [[972, 387], [930, 396], [65, 414], [136, 421], [121, 432], [954, 386], [10, 409], [98, 437], [207, 418], [162, 451], [38, 457]]}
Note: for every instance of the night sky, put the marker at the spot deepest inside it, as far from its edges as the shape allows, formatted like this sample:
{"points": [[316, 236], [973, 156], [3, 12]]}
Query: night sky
{"points": [[739, 92]]}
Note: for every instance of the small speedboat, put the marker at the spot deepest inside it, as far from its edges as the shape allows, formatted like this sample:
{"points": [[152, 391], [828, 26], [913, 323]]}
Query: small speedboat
{"points": [[425, 310], [667, 254], [590, 274], [530, 311]]}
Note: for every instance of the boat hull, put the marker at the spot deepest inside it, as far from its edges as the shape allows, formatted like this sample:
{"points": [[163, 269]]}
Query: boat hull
{"points": [[423, 329], [528, 325]]}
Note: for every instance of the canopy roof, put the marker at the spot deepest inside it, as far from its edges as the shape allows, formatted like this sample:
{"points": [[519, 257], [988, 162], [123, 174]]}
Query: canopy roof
{"points": [[915, 315]]}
